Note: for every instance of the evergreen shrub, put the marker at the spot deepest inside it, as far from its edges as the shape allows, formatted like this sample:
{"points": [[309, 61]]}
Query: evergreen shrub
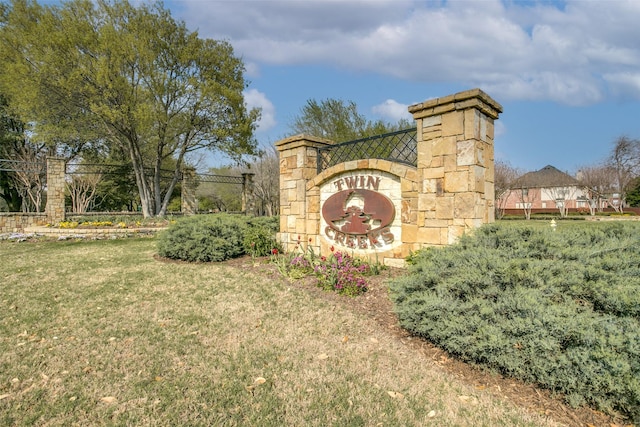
{"points": [[204, 238], [260, 238], [271, 223], [560, 309]]}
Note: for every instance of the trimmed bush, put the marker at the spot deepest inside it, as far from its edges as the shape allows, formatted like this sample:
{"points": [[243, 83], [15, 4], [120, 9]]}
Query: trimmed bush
{"points": [[204, 238], [559, 309], [271, 223]]}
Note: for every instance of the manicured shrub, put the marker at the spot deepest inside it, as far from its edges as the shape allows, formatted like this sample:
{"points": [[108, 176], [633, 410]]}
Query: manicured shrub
{"points": [[204, 238], [271, 223], [559, 309]]}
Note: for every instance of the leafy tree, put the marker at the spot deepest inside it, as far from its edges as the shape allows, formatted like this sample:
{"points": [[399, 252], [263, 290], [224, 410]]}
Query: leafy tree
{"points": [[221, 197], [22, 184], [11, 131], [633, 196], [133, 77], [339, 121]]}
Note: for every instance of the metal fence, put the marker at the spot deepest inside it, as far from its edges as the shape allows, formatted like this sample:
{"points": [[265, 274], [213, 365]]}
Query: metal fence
{"points": [[9, 165], [400, 146], [219, 179], [110, 169]]}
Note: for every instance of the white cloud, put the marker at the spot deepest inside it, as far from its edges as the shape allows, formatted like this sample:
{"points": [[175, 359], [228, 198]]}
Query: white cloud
{"points": [[392, 110], [256, 99], [625, 84], [566, 52]]}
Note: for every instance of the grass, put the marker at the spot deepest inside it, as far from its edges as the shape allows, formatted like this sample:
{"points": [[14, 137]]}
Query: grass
{"points": [[100, 333]]}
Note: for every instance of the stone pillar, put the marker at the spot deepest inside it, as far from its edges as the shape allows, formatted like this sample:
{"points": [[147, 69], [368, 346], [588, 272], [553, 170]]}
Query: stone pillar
{"points": [[55, 190], [298, 165], [188, 200], [455, 164], [248, 201]]}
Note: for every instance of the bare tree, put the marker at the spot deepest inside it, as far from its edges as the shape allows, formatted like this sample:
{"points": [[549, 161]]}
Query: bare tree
{"points": [[266, 182], [82, 189], [624, 161], [598, 185], [562, 195], [526, 196], [504, 175], [30, 178]]}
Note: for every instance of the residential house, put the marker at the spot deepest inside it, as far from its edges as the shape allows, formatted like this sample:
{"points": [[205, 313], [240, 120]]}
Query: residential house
{"points": [[545, 189]]}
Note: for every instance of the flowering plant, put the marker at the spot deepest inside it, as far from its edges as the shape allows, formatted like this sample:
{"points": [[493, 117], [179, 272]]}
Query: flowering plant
{"points": [[339, 271], [342, 273]]}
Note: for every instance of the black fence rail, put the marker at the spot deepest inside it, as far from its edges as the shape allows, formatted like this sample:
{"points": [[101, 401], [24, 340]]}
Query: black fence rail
{"points": [[400, 146], [72, 168], [110, 169], [9, 165], [106, 169]]}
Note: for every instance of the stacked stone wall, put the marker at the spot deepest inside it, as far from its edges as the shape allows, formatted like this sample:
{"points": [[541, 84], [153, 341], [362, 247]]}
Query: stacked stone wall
{"points": [[456, 164], [55, 189], [188, 200], [11, 222], [448, 193]]}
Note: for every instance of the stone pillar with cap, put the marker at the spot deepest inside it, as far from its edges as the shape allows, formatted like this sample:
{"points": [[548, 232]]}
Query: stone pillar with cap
{"points": [[456, 165]]}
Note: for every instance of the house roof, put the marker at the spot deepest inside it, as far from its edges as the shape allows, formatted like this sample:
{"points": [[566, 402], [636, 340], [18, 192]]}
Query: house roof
{"points": [[546, 177]]}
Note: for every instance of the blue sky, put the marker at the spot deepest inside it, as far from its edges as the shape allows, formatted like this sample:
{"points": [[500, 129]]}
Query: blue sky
{"points": [[566, 72]]}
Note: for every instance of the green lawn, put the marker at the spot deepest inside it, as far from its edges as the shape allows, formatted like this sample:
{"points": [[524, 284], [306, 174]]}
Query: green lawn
{"points": [[101, 333]]}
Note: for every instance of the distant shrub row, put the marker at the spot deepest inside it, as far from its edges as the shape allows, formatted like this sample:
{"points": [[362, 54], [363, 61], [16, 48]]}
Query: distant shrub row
{"points": [[559, 309], [218, 237]]}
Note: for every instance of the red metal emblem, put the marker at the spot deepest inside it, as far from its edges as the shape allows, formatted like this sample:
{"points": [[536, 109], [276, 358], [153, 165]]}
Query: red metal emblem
{"points": [[358, 211]]}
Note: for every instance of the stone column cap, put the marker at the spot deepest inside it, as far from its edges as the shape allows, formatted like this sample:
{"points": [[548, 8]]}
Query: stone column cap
{"points": [[302, 140], [458, 101]]}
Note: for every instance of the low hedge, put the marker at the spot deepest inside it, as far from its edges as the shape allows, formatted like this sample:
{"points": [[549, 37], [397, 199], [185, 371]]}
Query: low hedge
{"points": [[218, 237], [203, 238], [559, 309]]}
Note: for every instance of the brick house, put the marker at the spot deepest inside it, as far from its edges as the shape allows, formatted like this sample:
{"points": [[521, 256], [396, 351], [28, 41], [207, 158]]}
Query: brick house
{"points": [[544, 189]]}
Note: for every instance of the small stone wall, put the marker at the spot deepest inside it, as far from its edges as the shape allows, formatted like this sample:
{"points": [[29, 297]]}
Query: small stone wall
{"points": [[382, 210], [11, 222]]}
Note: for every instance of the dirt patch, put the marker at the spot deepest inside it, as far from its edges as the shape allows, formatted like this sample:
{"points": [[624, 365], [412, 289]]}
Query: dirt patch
{"points": [[376, 305]]}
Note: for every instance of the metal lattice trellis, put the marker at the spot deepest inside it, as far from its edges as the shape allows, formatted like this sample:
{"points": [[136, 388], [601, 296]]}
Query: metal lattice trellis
{"points": [[219, 179], [400, 146]]}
